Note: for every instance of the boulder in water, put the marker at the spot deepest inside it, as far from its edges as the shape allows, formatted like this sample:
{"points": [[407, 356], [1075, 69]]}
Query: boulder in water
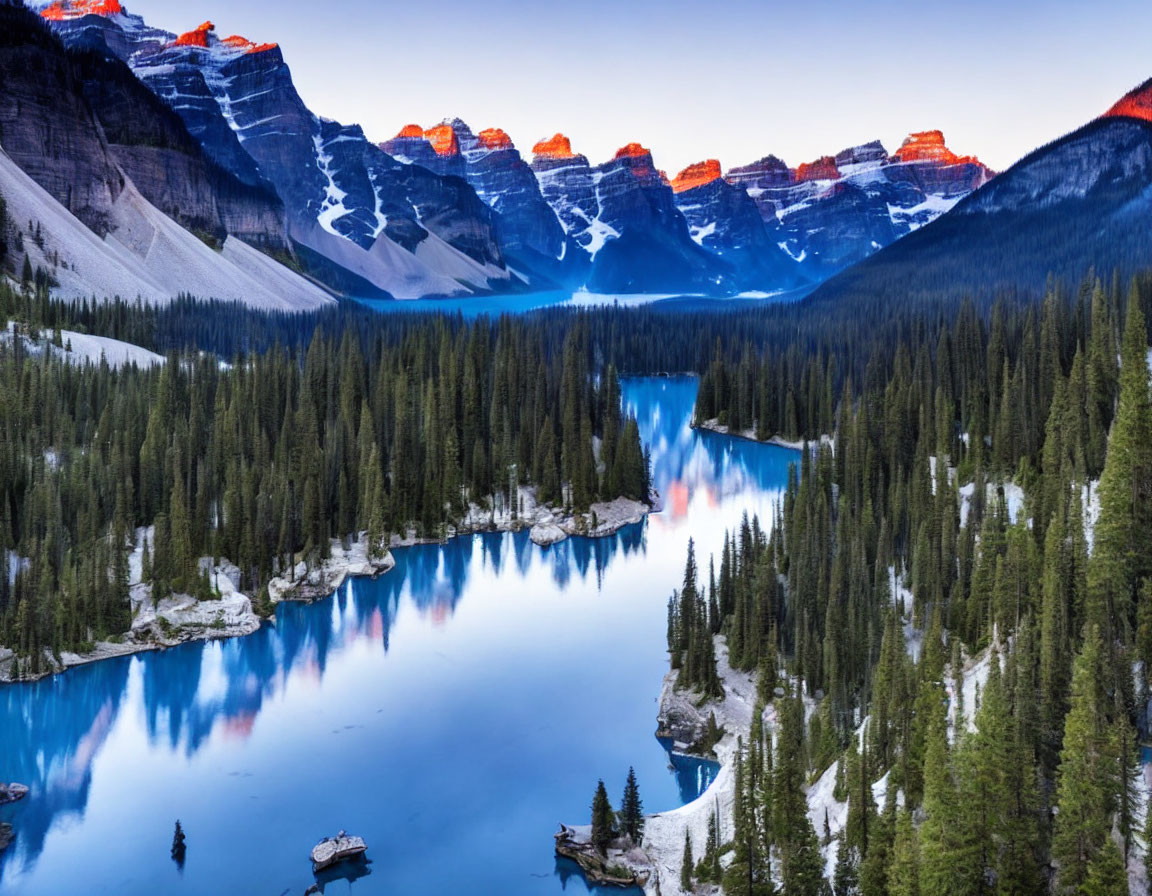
{"points": [[332, 850]]}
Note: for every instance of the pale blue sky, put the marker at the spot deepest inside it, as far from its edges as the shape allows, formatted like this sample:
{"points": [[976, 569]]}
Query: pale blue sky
{"points": [[731, 79]]}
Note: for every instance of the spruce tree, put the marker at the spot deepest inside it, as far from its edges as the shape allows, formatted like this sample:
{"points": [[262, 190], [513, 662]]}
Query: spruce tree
{"points": [[1086, 782], [632, 809], [603, 819], [1120, 556], [686, 864]]}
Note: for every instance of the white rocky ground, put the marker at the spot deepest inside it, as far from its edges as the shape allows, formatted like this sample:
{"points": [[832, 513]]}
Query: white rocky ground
{"points": [[81, 348], [146, 255], [547, 525], [177, 618], [309, 583], [662, 850]]}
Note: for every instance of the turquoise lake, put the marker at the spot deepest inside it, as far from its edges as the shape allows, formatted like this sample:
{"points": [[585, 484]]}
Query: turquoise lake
{"points": [[495, 305], [451, 712]]}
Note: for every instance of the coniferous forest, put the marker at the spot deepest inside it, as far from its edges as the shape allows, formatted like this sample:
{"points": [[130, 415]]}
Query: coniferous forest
{"points": [[974, 505], [266, 458], [985, 659]]}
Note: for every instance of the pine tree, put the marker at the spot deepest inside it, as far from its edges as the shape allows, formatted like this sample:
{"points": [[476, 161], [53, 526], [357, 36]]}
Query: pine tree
{"points": [[686, 864], [632, 809], [904, 869], [1106, 874], [603, 819], [1120, 557], [1086, 782]]}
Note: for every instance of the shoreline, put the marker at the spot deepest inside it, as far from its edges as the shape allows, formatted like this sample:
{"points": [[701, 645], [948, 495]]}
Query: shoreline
{"points": [[656, 862], [749, 435], [180, 619]]}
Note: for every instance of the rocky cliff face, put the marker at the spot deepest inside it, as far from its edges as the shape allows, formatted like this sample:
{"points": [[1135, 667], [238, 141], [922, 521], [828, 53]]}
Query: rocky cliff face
{"points": [[347, 201], [624, 215], [837, 210], [96, 116], [113, 184], [531, 235], [723, 219], [445, 210], [45, 125]]}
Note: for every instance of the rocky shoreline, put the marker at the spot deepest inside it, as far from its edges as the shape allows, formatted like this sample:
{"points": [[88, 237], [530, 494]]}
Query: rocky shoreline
{"points": [[749, 435], [683, 716], [180, 618], [613, 868]]}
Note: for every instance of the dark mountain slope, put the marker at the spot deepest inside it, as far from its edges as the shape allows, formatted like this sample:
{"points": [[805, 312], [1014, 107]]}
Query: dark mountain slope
{"points": [[1084, 200]]}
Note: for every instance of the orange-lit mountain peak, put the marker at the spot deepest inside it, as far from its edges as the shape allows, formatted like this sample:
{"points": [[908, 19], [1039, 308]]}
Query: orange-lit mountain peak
{"points": [[494, 138], [824, 168], [1136, 104], [696, 175], [929, 146], [197, 37], [59, 11], [411, 131], [555, 147], [632, 151], [443, 140], [236, 42]]}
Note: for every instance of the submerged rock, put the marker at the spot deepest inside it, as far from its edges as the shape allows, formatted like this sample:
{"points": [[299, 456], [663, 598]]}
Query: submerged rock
{"points": [[10, 793], [5, 835]]}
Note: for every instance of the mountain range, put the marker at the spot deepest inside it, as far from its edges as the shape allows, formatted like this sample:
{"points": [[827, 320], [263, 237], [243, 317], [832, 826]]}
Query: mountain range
{"points": [[152, 164]]}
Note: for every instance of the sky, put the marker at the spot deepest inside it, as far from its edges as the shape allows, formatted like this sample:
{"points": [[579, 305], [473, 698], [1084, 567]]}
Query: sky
{"points": [[729, 79]]}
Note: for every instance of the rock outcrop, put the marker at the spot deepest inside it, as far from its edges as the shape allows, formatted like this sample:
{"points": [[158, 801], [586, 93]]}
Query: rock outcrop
{"points": [[361, 216], [103, 153], [623, 214], [12, 793], [833, 212], [723, 219], [531, 235], [1079, 202]]}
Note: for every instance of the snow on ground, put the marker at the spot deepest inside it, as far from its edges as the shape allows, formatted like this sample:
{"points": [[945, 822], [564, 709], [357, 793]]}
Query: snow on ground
{"points": [[1090, 501], [16, 565], [974, 677], [80, 348], [901, 595], [1013, 499], [664, 831], [1137, 870]]}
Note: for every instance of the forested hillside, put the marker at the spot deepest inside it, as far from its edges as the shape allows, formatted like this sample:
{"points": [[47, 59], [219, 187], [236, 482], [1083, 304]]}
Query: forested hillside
{"points": [[265, 458], [983, 660]]}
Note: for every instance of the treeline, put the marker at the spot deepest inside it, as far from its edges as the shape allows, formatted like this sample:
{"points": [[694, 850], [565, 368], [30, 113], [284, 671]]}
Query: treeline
{"points": [[911, 525], [267, 459]]}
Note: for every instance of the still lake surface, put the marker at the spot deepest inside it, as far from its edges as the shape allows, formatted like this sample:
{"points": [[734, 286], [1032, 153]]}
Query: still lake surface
{"points": [[451, 712], [517, 303]]}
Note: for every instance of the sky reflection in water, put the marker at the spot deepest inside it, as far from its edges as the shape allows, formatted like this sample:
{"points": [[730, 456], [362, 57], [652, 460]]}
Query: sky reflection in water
{"points": [[451, 711]]}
